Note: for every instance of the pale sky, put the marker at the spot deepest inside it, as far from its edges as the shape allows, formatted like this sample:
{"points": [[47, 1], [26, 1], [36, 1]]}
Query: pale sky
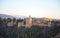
{"points": [[35, 8]]}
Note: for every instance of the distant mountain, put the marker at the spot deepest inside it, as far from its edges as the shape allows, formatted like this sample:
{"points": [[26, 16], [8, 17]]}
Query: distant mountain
{"points": [[6, 16], [22, 17], [19, 16], [10, 16]]}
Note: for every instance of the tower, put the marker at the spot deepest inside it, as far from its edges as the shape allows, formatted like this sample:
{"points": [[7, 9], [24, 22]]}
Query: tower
{"points": [[30, 21]]}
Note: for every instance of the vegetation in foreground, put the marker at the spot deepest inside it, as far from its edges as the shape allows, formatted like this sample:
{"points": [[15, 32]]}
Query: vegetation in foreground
{"points": [[26, 32]]}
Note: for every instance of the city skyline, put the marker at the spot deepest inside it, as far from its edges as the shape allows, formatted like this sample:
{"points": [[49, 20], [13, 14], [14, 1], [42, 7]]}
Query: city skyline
{"points": [[35, 8]]}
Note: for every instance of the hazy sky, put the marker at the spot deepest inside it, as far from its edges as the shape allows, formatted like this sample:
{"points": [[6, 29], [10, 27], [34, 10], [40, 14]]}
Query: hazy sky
{"points": [[35, 8]]}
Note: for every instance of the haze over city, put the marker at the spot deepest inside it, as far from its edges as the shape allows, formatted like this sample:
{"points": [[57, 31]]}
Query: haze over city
{"points": [[35, 8]]}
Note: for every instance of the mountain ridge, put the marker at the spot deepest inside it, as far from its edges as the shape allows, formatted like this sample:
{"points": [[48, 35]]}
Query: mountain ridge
{"points": [[10, 16]]}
